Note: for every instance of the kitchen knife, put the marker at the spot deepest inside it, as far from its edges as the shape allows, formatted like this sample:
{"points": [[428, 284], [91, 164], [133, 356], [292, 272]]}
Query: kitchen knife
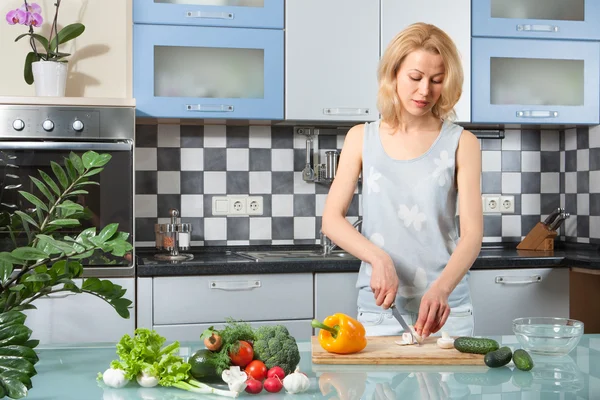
{"points": [[550, 218], [403, 323], [558, 221]]}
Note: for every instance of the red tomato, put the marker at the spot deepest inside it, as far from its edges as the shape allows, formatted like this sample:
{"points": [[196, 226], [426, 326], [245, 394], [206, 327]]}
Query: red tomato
{"points": [[257, 370], [241, 354]]}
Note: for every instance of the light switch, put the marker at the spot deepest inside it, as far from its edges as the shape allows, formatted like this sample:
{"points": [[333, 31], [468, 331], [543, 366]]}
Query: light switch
{"points": [[220, 206]]}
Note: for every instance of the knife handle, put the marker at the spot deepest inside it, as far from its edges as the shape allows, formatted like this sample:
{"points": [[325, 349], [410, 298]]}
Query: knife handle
{"points": [[550, 218]]}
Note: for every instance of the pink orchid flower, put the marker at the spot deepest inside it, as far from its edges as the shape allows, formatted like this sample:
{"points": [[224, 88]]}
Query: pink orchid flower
{"points": [[17, 17], [35, 19], [34, 14], [32, 8]]}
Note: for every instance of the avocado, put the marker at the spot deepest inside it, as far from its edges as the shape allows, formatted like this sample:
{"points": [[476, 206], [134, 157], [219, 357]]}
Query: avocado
{"points": [[498, 358], [522, 360], [201, 369], [466, 344]]}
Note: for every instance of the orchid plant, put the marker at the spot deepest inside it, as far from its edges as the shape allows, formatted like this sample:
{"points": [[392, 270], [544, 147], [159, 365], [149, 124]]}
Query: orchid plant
{"points": [[30, 14]]}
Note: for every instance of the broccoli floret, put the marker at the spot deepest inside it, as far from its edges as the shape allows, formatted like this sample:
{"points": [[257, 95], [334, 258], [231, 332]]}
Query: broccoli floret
{"points": [[274, 346]]}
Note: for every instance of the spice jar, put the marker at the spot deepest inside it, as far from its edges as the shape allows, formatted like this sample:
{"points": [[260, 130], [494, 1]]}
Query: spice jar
{"points": [[184, 236]]}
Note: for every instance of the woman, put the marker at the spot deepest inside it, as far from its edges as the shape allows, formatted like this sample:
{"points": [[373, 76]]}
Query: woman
{"points": [[415, 165]]}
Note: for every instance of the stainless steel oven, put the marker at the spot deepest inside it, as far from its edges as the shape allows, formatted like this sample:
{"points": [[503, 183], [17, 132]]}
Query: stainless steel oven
{"points": [[34, 136]]}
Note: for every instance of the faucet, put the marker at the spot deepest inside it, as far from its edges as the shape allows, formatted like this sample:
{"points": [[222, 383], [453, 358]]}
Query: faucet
{"points": [[328, 246]]}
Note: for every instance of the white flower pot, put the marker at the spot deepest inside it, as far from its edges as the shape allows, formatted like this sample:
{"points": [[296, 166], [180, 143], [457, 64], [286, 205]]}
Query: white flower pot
{"points": [[50, 78]]}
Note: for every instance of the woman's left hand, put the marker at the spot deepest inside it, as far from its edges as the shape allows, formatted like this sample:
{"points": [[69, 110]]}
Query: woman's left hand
{"points": [[433, 313]]}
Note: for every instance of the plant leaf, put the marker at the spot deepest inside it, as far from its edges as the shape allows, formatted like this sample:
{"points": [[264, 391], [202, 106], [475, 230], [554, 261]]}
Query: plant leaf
{"points": [[15, 389], [38, 278], [62, 246], [108, 231], [19, 351], [28, 253], [6, 270], [6, 256], [70, 170], [83, 255], [43, 188], [50, 182], [27, 218], [60, 174], [122, 307], [93, 172], [14, 334], [78, 192], [67, 33], [17, 288], [34, 200], [77, 163], [28, 71], [12, 317], [65, 222]]}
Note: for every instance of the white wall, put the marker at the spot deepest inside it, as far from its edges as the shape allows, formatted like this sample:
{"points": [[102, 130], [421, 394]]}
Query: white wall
{"points": [[100, 65]]}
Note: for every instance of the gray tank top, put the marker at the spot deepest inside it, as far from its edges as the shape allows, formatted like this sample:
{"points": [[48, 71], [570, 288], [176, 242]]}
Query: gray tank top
{"points": [[409, 210]]}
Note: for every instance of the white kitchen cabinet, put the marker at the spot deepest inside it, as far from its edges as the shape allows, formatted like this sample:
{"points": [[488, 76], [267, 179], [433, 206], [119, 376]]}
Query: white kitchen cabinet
{"points": [[453, 17], [501, 295], [335, 292], [80, 318], [332, 54]]}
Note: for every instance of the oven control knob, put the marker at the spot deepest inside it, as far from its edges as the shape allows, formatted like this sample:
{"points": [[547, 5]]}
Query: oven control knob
{"points": [[48, 125], [18, 124], [78, 126]]}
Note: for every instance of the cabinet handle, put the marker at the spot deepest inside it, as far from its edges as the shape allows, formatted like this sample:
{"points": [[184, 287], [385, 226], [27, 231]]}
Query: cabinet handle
{"points": [[209, 107], [537, 114], [235, 285], [537, 28], [346, 111], [518, 280], [209, 15]]}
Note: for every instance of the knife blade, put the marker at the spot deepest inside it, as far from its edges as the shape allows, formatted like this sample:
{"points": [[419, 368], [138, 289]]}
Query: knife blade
{"points": [[398, 316], [550, 218]]}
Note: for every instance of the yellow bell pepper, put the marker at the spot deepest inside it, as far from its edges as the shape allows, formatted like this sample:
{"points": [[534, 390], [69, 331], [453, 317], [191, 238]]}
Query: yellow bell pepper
{"points": [[341, 334]]}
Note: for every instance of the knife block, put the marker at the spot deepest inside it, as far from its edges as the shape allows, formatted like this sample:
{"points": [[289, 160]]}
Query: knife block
{"points": [[539, 238]]}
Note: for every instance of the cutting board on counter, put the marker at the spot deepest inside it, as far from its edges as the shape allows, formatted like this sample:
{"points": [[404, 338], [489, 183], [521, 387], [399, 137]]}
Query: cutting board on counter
{"points": [[382, 350]]}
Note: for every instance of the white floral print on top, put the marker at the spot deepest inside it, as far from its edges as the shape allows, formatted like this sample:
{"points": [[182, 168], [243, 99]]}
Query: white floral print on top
{"points": [[372, 185], [444, 164], [411, 217]]}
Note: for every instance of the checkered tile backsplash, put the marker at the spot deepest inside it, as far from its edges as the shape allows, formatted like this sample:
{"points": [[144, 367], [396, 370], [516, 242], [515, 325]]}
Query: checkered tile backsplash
{"points": [[184, 166]]}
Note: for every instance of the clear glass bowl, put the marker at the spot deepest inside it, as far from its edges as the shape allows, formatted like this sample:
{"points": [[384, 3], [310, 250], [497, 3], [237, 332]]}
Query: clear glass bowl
{"points": [[548, 336]]}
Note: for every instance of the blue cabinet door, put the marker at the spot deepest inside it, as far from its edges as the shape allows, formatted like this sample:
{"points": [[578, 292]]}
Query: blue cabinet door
{"points": [[535, 81], [543, 19], [234, 13], [207, 72]]}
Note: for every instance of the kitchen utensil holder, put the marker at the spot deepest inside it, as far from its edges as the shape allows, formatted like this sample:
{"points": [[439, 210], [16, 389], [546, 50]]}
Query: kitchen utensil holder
{"points": [[540, 238], [173, 237]]}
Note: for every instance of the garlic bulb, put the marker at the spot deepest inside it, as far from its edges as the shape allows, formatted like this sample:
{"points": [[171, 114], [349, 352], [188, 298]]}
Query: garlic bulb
{"points": [[445, 342], [296, 382]]}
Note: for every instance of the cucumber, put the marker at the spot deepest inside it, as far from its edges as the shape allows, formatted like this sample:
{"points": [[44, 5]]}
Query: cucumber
{"points": [[466, 344], [201, 369], [498, 358], [522, 360]]}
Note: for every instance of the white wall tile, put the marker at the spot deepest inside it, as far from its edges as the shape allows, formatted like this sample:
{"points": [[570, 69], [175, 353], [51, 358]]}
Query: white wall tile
{"points": [[594, 181], [531, 161], [491, 161], [145, 159], [215, 182], [530, 205], [215, 136], [260, 182], [299, 142], [301, 187], [304, 227], [215, 228], [192, 159], [238, 159], [511, 182], [282, 205], [282, 160], [511, 225], [571, 139], [595, 227], [550, 140], [192, 205], [260, 137], [169, 182], [168, 135], [260, 228], [512, 140], [583, 204], [146, 205], [594, 136]]}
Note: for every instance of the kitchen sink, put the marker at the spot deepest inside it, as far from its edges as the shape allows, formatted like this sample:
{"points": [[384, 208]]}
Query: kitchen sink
{"points": [[296, 255]]}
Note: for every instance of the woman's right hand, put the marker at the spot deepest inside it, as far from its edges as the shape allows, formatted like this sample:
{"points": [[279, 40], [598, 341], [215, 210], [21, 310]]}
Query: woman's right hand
{"points": [[384, 282]]}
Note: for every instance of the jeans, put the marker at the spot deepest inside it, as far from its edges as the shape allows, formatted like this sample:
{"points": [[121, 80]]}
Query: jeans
{"points": [[459, 323]]}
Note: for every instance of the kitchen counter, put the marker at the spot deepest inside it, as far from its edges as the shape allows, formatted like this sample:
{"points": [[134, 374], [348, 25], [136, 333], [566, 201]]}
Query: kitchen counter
{"points": [[224, 260], [70, 373]]}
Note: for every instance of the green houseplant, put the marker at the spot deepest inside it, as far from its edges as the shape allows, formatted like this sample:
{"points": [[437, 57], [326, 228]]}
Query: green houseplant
{"points": [[45, 60], [50, 262]]}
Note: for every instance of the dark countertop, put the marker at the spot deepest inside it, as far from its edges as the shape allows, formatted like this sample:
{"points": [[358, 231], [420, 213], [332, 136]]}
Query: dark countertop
{"points": [[224, 261]]}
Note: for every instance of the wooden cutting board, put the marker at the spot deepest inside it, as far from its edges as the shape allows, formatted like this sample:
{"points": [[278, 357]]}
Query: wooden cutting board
{"points": [[382, 350]]}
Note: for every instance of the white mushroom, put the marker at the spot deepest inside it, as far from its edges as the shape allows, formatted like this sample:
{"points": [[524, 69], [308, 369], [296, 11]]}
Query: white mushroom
{"points": [[445, 342]]}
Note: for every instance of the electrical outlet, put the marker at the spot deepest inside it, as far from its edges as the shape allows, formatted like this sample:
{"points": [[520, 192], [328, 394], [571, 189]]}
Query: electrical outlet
{"points": [[238, 205], [254, 205], [507, 204], [491, 203]]}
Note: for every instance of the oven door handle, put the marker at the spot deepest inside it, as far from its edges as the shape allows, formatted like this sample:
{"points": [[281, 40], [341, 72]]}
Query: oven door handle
{"points": [[74, 146]]}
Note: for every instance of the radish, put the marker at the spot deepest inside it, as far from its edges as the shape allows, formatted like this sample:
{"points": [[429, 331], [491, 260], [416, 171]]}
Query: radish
{"points": [[273, 384], [276, 371], [253, 386]]}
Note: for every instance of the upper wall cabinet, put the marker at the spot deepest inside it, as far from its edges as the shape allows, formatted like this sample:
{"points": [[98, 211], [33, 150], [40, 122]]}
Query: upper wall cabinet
{"points": [[208, 72], [332, 51], [454, 17], [232, 13], [535, 81], [549, 19]]}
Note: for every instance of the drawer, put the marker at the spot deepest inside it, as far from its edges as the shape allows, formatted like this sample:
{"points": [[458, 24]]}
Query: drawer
{"points": [[299, 329], [212, 299]]}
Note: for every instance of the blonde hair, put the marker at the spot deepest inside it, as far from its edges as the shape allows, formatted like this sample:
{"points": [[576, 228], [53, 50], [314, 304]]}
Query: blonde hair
{"points": [[416, 37]]}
